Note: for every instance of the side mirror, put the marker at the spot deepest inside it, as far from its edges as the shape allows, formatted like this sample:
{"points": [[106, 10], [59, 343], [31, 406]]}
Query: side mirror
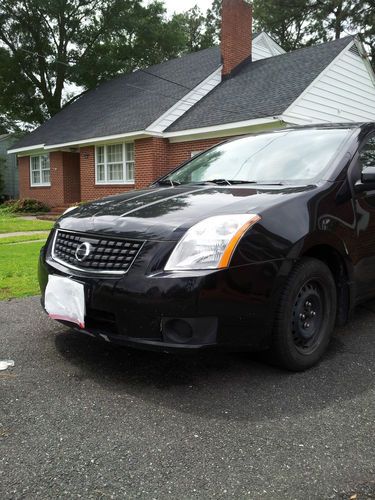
{"points": [[367, 182], [368, 175]]}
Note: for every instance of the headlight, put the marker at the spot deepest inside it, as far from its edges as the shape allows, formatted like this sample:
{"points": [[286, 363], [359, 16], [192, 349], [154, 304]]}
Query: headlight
{"points": [[69, 209], [210, 243]]}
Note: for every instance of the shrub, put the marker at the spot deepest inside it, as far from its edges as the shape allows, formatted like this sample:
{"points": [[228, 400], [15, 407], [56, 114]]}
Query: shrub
{"points": [[26, 205]]}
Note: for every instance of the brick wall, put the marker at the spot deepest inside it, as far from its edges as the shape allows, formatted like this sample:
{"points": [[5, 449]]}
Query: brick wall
{"points": [[64, 188], [181, 151], [50, 195], [150, 160], [236, 33]]}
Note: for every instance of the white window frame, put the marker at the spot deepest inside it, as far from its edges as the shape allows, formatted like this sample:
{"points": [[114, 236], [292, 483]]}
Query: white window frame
{"points": [[40, 184], [107, 181]]}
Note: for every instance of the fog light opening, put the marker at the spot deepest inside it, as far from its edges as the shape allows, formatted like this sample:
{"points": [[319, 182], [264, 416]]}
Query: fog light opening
{"points": [[177, 330]]}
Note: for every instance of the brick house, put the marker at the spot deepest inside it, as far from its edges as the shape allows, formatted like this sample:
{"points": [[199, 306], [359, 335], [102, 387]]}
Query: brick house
{"points": [[129, 131]]}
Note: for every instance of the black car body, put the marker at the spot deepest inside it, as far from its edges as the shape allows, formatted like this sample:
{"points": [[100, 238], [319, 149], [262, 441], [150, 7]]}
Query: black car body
{"points": [[138, 302]]}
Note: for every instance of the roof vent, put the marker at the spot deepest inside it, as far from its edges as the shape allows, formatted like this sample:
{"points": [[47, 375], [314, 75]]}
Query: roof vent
{"points": [[354, 50]]}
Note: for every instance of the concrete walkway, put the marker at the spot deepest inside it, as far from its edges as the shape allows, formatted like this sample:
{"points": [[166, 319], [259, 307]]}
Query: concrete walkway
{"points": [[22, 233]]}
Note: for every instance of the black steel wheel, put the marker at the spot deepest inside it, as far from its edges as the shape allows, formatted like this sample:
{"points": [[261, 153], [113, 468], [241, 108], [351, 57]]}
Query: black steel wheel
{"points": [[306, 315]]}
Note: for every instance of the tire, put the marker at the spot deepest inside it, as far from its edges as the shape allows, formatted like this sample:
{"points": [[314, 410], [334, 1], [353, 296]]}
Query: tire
{"points": [[305, 316]]}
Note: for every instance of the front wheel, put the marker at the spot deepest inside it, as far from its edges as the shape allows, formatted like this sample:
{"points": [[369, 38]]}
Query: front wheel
{"points": [[305, 316]]}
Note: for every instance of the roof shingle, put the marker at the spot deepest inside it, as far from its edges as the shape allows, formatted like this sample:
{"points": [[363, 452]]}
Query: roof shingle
{"points": [[128, 103], [266, 87]]}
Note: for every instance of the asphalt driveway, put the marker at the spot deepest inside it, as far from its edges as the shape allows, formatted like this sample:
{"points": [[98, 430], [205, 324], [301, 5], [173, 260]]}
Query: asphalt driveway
{"points": [[83, 419]]}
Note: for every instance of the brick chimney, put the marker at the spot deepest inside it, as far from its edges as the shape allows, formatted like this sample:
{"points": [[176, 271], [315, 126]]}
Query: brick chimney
{"points": [[236, 33]]}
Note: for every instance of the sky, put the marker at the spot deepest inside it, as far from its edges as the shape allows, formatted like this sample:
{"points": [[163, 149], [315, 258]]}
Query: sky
{"points": [[181, 5]]}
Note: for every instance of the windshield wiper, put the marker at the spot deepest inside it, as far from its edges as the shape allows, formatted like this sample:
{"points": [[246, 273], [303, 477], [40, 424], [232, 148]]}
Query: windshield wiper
{"points": [[168, 182], [229, 182], [265, 183]]}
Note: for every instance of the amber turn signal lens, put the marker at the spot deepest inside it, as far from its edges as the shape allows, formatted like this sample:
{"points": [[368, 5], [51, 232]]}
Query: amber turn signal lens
{"points": [[229, 251]]}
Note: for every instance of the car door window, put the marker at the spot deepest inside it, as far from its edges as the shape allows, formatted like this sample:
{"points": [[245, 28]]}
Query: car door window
{"points": [[367, 155]]}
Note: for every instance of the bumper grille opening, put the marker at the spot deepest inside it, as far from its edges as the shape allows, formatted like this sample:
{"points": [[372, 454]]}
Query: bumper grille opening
{"points": [[100, 321], [96, 254]]}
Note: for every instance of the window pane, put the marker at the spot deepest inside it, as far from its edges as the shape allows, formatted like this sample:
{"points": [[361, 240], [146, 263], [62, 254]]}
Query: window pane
{"points": [[129, 147], [100, 173], [114, 153], [45, 176], [44, 162], [35, 176], [35, 163], [100, 154], [115, 172], [367, 156], [130, 171]]}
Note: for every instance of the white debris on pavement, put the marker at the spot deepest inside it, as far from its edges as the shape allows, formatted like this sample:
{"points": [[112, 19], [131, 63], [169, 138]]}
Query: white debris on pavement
{"points": [[5, 364]]}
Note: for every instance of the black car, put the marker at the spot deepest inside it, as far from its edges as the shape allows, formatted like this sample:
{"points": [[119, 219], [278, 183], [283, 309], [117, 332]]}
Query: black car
{"points": [[262, 242]]}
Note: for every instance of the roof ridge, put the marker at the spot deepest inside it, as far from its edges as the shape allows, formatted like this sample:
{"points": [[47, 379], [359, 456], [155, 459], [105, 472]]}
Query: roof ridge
{"points": [[309, 47]]}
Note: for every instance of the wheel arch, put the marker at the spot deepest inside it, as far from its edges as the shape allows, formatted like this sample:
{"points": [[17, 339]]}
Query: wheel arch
{"points": [[340, 267]]}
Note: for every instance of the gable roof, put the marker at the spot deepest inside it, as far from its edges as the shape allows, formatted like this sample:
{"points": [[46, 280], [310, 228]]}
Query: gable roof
{"points": [[128, 103], [132, 102], [263, 88]]}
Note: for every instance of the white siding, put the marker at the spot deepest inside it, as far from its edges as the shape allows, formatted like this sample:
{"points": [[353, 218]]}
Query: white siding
{"points": [[264, 46], [344, 92], [184, 104]]}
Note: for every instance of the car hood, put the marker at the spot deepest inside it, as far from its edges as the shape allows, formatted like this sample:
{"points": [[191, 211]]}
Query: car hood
{"points": [[161, 213]]}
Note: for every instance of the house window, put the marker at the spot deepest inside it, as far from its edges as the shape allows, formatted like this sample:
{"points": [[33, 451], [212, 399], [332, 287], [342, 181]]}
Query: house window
{"points": [[40, 170], [115, 164]]}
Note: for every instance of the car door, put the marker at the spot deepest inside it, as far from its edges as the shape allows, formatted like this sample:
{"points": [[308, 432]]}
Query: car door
{"points": [[364, 207]]}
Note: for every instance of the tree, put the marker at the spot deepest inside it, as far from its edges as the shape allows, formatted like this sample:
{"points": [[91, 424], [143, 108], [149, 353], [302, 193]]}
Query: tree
{"points": [[213, 24], [364, 20], [305, 22], [292, 26], [192, 24], [48, 45], [334, 18], [200, 31]]}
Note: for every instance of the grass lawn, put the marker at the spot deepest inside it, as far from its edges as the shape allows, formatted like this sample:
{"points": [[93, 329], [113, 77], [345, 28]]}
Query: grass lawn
{"points": [[10, 224], [18, 269]]}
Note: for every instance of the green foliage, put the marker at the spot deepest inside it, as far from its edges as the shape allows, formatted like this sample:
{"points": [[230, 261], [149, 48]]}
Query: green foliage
{"points": [[47, 44], [291, 27], [200, 31], [305, 22], [25, 205]]}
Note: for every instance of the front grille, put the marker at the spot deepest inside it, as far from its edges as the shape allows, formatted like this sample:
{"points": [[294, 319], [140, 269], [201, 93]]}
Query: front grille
{"points": [[105, 254]]}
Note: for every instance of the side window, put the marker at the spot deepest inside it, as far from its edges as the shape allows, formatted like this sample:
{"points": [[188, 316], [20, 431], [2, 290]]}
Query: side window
{"points": [[367, 155]]}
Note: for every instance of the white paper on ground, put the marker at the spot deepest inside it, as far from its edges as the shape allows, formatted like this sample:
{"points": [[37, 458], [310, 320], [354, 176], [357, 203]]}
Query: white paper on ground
{"points": [[6, 363], [65, 300]]}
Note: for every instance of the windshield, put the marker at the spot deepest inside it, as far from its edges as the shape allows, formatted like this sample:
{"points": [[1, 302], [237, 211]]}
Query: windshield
{"points": [[287, 156]]}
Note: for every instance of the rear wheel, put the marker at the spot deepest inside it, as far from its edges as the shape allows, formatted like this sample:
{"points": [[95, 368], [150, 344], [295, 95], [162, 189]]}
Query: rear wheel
{"points": [[305, 317]]}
